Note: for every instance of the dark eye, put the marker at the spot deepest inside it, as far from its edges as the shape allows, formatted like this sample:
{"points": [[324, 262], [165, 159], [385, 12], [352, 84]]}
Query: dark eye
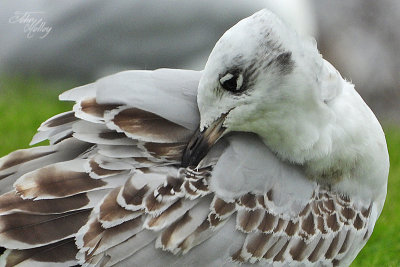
{"points": [[232, 82]]}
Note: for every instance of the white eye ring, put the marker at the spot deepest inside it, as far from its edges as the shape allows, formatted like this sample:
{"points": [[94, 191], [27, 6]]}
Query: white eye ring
{"points": [[228, 76], [239, 82]]}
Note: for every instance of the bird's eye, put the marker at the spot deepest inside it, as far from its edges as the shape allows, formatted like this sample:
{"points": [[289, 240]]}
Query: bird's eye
{"points": [[232, 82]]}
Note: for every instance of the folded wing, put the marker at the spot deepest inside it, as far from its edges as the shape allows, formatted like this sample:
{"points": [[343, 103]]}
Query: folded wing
{"points": [[108, 189]]}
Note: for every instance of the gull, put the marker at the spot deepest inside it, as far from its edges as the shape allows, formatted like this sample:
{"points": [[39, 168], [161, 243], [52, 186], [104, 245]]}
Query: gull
{"points": [[268, 157]]}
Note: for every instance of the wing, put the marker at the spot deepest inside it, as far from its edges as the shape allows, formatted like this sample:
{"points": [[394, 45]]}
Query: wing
{"points": [[109, 190]]}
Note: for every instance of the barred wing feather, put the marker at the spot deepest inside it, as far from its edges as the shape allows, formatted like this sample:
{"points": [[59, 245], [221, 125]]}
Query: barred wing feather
{"points": [[108, 190]]}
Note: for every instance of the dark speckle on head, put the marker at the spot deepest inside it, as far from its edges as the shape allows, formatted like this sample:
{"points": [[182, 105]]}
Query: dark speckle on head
{"points": [[266, 53], [271, 59], [270, 56], [284, 62]]}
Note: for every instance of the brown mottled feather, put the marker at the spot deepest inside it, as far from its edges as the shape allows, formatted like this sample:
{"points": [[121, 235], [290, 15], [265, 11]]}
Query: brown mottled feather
{"points": [[280, 226], [256, 246], [366, 212], [333, 248], [345, 244], [95, 168], [169, 151], [348, 213], [303, 237], [275, 248], [308, 225], [332, 222], [6, 175], [142, 123], [112, 135], [358, 223], [279, 257], [112, 212], [36, 230], [90, 106], [52, 181], [268, 223], [317, 252], [97, 236], [248, 220], [223, 208], [22, 156], [297, 251], [157, 220], [60, 252], [132, 195], [155, 205], [61, 120], [166, 234], [248, 200], [12, 202]]}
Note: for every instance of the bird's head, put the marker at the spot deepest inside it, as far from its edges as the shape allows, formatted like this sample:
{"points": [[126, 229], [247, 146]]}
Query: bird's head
{"points": [[261, 77]]}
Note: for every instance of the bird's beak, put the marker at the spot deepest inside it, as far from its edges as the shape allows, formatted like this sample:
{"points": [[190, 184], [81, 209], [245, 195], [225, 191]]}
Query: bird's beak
{"points": [[201, 143]]}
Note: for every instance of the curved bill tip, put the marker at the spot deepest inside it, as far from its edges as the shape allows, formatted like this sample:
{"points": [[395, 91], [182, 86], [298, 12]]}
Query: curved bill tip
{"points": [[201, 143]]}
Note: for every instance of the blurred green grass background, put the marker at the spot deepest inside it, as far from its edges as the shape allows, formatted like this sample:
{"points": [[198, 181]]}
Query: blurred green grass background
{"points": [[27, 102]]}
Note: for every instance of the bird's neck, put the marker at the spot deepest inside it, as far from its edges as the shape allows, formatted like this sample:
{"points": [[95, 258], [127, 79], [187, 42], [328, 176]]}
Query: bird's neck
{"points": [[342, 141]]}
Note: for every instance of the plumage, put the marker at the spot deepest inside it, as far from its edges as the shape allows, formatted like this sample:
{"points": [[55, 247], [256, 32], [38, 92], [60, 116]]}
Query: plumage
{"points": [[277, 175]]}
